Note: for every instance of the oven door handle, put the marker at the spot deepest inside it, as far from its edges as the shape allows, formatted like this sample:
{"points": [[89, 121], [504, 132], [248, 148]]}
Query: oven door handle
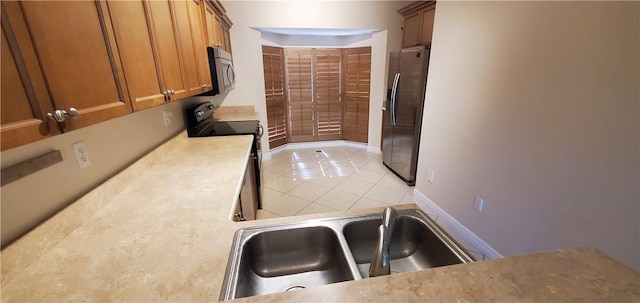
{"points": [[260, 131]]}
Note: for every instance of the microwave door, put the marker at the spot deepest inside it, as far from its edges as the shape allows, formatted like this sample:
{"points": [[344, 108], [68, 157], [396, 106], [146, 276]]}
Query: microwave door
{"points": [[221, 71], [230, 79]]}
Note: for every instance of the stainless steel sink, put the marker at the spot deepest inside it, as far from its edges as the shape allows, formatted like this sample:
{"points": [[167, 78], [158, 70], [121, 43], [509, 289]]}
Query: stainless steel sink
{"points": [[415, 245], [290, 259], [285, 257]]}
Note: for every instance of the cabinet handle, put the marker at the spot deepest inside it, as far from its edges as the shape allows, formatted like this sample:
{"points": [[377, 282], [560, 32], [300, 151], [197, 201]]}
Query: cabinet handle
{"points": [[61, 115], [219, 45], [240, 217]]}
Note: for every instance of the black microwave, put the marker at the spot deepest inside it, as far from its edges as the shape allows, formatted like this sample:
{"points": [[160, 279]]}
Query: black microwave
{"points": [[223, 77]]}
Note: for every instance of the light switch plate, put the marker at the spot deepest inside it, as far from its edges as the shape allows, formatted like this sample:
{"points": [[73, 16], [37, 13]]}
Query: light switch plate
{"points": [[479, 204], [167, 116], [82, 154]]}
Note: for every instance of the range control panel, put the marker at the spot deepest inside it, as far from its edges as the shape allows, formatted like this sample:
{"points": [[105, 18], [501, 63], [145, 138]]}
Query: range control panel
{"points": [[201, 112]]}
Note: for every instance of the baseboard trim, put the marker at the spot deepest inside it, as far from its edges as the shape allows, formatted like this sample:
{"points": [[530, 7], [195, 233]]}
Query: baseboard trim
{"points": [[320, 144], [373, 149], [457, 230]]}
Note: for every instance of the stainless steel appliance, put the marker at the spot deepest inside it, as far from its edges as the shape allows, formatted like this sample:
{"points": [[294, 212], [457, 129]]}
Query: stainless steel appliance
{"points": [[202, 124], [402, 114], [223, 77]]}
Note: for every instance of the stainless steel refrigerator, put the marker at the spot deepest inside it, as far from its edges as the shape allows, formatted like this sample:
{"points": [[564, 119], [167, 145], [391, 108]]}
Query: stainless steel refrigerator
{"points": [[402, 113]]}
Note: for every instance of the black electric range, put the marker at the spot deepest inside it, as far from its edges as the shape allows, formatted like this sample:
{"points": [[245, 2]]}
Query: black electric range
{"points": [[202, 124]]}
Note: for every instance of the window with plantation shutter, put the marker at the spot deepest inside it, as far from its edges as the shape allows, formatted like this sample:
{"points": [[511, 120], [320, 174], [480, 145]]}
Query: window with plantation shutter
{"points": [[357, 75], [300, 94], [317, 94], [275, 95], [328, 95]]}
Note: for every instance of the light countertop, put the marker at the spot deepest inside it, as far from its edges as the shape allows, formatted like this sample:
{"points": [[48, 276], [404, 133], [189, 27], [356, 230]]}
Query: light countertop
{"points": [[161, 231], [235, 113]]}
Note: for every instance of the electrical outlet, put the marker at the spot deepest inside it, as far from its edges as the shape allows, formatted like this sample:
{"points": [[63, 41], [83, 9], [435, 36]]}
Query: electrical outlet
{"points": [[479, 203], [167, 115], [82, 154], [430, 175]]}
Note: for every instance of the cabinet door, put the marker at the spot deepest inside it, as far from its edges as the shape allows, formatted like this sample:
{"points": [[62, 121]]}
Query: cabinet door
{"points": [[132, 31], [226, 39], [185, 39], [411, 30], [248, 192], [78, 57], [426, 30], [220, 32], [212, 25], [24, 101], [167, 52], [199, 44]]}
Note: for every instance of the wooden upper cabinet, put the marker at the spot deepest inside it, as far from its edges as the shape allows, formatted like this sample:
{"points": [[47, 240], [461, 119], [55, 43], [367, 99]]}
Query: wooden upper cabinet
{"points": [[226, 38], [217, 25], [58, 55], [104, 59], [411, 30], [25, 101], [426, 31], [148, 44], [136, 49], [212, 25], [418, 23], [199, 45], [186, 46], [167, 51]]}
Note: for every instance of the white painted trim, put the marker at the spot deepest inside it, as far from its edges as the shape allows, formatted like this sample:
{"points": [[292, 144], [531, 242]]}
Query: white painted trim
{"points": [[266, 156], [319, 144], [461, 233], [373, 149]]}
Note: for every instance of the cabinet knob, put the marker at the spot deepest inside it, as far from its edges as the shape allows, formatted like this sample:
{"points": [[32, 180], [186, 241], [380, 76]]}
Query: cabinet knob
{"points": [[61, 115], [172, 92], [73, 113]]}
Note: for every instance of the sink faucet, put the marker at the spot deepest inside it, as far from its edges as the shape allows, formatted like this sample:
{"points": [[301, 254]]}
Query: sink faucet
{"points": [[380, 260]]}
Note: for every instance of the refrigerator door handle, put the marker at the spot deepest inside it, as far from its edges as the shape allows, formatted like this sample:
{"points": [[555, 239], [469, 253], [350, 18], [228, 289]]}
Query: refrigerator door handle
{"points": [[394, 91]]}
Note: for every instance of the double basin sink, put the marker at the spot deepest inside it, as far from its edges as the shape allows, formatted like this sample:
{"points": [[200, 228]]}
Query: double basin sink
{"points": [[278, 258]]}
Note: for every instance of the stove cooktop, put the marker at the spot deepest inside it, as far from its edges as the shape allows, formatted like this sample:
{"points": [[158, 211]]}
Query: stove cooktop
{"points": [[227, 128]]}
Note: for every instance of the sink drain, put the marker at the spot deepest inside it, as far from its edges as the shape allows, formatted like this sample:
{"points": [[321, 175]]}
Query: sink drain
{"points": [[297, 287]]}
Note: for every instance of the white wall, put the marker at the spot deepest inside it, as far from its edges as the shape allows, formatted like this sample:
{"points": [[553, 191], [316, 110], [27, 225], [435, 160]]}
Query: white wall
{"points": [[535, 108], [247, 43]]}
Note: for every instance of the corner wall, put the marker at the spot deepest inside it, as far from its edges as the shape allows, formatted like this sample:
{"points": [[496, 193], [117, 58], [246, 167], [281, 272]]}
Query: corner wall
{"points": [[534, 107]]}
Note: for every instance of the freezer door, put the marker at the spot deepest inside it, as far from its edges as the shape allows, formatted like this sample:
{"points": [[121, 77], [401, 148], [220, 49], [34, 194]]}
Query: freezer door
{"points": [[409, 105], [387, 123]]}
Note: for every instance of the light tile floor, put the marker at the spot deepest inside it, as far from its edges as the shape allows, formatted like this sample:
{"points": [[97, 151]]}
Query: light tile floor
{"points": [[317, 180]]}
